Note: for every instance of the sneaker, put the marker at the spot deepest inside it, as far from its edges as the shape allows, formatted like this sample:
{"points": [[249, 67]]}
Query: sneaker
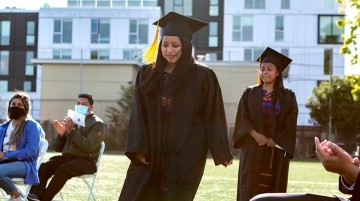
{"points": [[33, 197], [16, 199]]}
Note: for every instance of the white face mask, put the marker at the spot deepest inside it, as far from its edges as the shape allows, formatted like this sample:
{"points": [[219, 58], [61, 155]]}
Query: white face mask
{"points": [[81, 109]]}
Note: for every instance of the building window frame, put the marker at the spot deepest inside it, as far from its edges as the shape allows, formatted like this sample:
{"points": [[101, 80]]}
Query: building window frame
{"points": [[279, 28], [138, 31], [29, 67], [100, 31], [285, 4], [328, 61], [213, 34], [5, 29], [254, 4], [103, 54], [328, 32], [62, 31], [242, 28], [4, 62], [214, 8], [63, 54], [30, 33]]}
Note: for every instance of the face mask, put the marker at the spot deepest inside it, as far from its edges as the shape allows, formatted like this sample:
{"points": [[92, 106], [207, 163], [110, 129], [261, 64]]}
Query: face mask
{"points": [[81, 109], [16, 112]]}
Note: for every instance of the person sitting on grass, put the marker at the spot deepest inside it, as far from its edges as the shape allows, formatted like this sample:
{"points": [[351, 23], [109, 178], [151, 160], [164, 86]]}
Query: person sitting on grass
{"points": [[334, 159]]}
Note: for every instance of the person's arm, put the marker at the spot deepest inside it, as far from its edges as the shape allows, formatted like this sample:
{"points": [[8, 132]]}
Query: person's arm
{"points": [[336, 160]]}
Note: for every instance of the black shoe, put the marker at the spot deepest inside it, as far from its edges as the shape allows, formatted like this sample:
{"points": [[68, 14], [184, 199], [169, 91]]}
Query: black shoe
{"points": [[33, 197]]}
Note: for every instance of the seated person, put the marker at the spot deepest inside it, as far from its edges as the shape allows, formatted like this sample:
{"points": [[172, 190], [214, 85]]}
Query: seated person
{"points": [[19, 142], [334, 159], [80, 147]]}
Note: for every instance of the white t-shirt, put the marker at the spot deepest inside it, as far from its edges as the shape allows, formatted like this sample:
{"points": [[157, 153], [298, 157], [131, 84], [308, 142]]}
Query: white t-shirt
{"points": [[6, 146]]}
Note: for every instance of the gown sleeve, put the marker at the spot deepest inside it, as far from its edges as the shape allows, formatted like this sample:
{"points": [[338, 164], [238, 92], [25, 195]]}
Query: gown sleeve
{"points": [[215, 121], [286, 137], [137, 138], [243, 124]]}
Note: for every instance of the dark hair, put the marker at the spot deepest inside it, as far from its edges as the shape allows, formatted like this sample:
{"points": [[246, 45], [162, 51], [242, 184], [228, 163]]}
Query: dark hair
{"points": [[88, 96], [177, 78]]}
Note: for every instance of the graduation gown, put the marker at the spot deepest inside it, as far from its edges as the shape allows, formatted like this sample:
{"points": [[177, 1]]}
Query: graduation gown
{"points": [[282, 131], [197, 124]]}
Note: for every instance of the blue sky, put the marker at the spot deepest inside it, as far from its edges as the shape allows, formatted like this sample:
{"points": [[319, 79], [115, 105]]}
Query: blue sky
{"points": [[31, 4]]}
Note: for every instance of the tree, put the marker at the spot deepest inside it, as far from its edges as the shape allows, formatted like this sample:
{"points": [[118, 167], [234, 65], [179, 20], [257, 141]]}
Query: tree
{"points": [[351, 20], [120, 117], [343, 106]]}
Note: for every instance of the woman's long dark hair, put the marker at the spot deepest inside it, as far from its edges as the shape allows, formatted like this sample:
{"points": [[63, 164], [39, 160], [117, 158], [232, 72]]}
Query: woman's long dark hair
{"points": [[178, 77]]}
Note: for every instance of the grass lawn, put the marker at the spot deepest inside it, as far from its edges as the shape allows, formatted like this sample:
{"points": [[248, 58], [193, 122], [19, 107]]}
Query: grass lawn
{"points": [[218, 183]]}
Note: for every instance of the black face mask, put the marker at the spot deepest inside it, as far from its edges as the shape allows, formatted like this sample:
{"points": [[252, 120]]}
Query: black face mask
{"points": [[16, 112]]}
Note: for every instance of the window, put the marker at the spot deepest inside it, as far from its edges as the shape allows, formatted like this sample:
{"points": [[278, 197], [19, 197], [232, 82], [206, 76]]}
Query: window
{"points": [[131, 54], [29, 67], [285, 4], [328, 64], [254, 4], [100, 31], [252, 54], [211, 56], [74, 3], [3, 85], [103, 3], [328, 32], [62, 53], [138, 32], [88, 3], [100, 55], [213, 34], [62, 31], [178, 6], [4, 62], [27, 85], [279, 28], [118, 3], [5, 32], [242, 28], [285, 52], [30, 33], [134, 3], [214, 8], [149, 3], [181, 6]]}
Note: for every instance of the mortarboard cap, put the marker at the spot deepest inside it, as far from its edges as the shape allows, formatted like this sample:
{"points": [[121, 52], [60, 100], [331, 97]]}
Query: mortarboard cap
{"points": [[175, 24], [271, 56]]}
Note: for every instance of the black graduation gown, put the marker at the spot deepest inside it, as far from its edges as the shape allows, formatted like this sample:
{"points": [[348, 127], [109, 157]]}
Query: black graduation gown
{"points": [[283, 131], [197, 125]]}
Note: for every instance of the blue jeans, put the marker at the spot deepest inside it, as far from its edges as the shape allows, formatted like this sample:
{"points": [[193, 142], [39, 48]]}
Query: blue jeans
{"points": [[10, 170]]}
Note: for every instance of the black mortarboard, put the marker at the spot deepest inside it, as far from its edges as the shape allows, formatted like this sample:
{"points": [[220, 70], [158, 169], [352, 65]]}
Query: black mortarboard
{"points": [[175, 24], [271, 56]]}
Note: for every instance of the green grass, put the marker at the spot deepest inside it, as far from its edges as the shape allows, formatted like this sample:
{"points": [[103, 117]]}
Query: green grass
{"points": [[218, 183]]}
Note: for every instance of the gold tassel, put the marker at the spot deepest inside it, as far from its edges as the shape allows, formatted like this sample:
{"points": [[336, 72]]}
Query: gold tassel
{"points": [[150, 53]]}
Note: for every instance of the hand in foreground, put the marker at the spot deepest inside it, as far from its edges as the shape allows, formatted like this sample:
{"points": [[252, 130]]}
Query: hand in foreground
{"points": [[69, 124], [227, 163], [336, 160], [59, 128], [141, 158]]}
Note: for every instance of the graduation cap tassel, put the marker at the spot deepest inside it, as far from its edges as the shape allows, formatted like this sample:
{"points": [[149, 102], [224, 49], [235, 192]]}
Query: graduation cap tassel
{"points": [[150, 53]]}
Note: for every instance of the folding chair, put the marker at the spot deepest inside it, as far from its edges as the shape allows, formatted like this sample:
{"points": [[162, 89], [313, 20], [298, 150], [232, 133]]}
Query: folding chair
{"points": [[20, 181], [90, 179]]}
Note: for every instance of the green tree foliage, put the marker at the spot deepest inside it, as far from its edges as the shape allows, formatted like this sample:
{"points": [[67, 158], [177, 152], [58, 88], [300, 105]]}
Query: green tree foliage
{"points": [[351, 20], [344, 107], [119, 117]]}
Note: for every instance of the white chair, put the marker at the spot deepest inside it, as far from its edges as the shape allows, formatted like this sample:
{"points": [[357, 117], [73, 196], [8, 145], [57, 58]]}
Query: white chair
{"points": [[90, 179], [20, 181]]}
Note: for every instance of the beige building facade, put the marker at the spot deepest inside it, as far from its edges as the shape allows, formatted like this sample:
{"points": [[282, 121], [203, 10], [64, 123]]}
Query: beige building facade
{"points": [[62, 81]]}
